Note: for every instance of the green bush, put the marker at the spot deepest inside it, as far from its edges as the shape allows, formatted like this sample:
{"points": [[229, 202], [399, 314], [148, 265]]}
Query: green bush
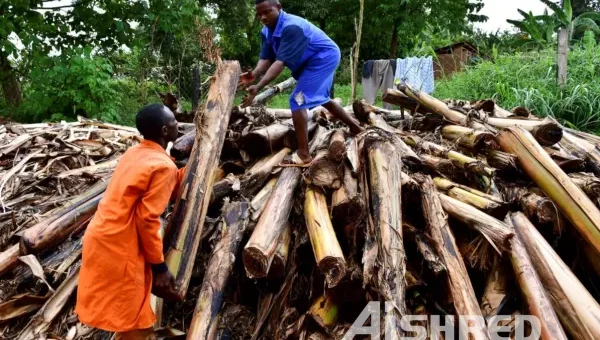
{"points": [[529, 79], [63, 87]]}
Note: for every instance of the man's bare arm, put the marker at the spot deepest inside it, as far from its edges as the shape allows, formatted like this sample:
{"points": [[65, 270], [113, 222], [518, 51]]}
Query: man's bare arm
{"points": [[261, 68], [274, 70]]}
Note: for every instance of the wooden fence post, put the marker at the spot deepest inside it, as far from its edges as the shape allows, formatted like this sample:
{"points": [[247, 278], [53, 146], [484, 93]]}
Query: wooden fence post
{"points": [[563, 49]]}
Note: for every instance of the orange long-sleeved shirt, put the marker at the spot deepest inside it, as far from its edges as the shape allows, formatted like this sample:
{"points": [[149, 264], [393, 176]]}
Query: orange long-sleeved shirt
{"points": [[122, 241]]}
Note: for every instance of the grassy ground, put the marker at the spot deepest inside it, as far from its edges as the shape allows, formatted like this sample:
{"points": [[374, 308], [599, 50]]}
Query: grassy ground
{"points": [[529, 80]]}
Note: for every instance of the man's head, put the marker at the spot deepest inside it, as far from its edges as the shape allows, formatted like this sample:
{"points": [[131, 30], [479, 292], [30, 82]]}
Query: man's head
{"points": [[157, 123], [268, 12]]}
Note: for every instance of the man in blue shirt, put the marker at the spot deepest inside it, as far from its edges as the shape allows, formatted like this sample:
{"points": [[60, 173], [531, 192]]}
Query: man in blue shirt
{"points": [[288, 40]]}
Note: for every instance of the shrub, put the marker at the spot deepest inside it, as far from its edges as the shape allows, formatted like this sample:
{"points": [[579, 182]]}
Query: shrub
{"points": [[63, 87]]}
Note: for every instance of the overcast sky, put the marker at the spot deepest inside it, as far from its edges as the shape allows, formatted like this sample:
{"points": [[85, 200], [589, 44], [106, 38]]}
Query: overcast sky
{"points": [[500, 10]]}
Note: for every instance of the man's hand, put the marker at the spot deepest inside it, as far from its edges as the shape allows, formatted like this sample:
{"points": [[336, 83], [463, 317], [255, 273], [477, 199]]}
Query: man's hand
{"points": [[163, 286], [246, 79], [164, 280], [252, 92]]}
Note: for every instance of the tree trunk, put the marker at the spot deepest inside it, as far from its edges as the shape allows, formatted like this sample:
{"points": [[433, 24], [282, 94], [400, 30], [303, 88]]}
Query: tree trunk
{"points": [[356, 50], [576, 308], [563, 50], [504, 162], [361, 109], [565, 160], [538, 208], [473, 140], [257, 111], [56, 226], [266, 140], [10, 84], [534, 294], [589, 183], [324, 172], [429, 254], [223, 189], [337, 146], [347, 205], [569, 198], [197, 184], [320, 140], [495, 231], [205, 320], [326, 248], [8, 259], [37, 240], [278, 266], [547, 132], [438, 165], [458, 159], [264, 97], [480, 200], [384, 254], [261, 247], [259, 173], [53, 263], [583, 149], [461, 288], [183, 145], [590, 138], [394, 44], [260, 200]]}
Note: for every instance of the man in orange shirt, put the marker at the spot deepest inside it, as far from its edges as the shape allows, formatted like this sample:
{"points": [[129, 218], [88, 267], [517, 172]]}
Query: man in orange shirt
{"points": [[122, 259]]}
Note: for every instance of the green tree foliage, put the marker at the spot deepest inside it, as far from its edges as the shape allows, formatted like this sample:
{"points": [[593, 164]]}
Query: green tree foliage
{"points": [[65, 86], [136, 47], [102, 24], [583, 6], [167, 39], [160, 39], [390, 28], [565, 18], [540, 29], [238, 28]]}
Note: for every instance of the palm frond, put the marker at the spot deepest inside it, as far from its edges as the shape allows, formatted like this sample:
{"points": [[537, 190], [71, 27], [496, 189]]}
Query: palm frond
{"points": [[568, 9], [558, 11], [590, 15], [518, 24], [586, 24]]}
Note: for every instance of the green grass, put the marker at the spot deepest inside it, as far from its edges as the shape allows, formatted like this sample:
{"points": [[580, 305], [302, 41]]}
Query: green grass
{"points": [[529, 80]]}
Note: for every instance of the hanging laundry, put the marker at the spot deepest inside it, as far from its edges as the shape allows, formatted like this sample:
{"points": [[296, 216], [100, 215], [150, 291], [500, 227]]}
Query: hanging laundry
{"points": [[380, 77], [367, 69], [416, 72]]}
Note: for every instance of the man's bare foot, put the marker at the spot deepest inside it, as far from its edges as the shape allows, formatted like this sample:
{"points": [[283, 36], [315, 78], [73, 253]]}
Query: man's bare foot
{"points": [[295, 160], [305, 157], [356, 129]]}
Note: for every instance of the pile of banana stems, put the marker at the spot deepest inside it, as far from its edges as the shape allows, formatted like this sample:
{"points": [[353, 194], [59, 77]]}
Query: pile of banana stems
{"points": [[442, 209]]}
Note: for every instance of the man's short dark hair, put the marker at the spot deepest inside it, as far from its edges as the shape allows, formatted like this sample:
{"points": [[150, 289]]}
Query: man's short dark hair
{"points": [[150, 121], [273, 2]]}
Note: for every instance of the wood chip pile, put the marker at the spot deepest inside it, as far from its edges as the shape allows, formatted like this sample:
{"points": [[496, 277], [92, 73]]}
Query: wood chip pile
{"points": [[441, 208]]}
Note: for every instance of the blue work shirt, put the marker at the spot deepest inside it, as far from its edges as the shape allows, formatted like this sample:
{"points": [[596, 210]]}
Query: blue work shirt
{"points": [[297, 43]]}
